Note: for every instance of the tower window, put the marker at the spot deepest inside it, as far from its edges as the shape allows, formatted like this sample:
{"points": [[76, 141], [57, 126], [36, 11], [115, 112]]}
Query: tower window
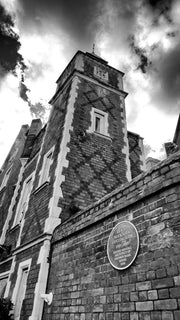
{"points": [[99, 122]]}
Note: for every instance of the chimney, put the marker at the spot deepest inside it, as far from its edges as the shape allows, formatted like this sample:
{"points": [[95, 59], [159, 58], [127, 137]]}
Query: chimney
{"points": [[34, 129]]}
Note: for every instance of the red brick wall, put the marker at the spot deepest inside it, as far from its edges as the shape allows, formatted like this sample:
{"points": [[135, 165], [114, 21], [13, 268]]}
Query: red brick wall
{"points": [[86, 286]]}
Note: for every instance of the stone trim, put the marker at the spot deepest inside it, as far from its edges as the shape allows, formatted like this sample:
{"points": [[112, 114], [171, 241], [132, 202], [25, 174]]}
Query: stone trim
{"points": [[142, 156], [125, 150], [40, 287], [75, 73], [103, 85], [16, 221], [45, 157], [26, 263], [28, 245], [104, 115], [54, 211], [6, 294]]}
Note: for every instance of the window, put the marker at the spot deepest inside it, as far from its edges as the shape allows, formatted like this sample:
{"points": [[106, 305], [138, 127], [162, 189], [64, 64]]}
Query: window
{"points": [[3, 283], [20, 287], [99, 123], [44, 176], [23, 202], [5, 179], [21, 293]]}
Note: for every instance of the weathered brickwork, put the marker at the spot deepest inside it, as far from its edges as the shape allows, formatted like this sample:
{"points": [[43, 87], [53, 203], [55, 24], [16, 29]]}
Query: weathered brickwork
{"points": [[86, 286]]}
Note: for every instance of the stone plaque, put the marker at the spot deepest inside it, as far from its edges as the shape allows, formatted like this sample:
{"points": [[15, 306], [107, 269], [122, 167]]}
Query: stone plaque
{"points": [[123, 245]]}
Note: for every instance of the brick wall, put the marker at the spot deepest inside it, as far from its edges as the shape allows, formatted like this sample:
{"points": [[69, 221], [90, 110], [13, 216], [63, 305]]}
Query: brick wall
{"points": [[84, 283]]}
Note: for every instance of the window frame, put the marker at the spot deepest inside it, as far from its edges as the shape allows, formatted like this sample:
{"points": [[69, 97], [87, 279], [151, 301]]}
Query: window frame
{"points": [[23, 200], [24, 265], [6, 178], [47, 162], [103, 123], [4, 275]]}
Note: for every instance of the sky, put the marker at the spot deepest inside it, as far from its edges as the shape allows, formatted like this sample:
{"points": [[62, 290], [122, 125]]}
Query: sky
{"points": [[38, 38]]}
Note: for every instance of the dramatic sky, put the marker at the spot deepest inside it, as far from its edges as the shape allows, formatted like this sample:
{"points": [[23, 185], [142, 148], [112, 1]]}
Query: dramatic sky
{"points": [[139, 37]]}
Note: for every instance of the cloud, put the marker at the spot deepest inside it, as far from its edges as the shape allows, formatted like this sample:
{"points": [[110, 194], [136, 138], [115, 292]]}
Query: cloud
{"points": [[160, 7], [138, 37], [78, 19], [10, 58], [38, 109], [166, 92], [14, 113]]}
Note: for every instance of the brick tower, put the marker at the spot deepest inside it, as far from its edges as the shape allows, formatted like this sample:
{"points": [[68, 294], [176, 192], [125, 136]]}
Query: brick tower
{"points": [[88, 118]]}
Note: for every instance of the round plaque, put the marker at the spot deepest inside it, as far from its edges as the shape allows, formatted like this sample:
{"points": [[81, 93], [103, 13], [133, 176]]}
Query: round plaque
{"points": [[123, 245]]}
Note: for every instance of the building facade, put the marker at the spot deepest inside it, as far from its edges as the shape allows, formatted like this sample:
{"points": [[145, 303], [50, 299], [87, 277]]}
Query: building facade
{"points": [[62, 189]]}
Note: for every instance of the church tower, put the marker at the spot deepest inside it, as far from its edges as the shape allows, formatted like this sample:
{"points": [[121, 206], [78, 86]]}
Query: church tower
{"points": [[88, 118]]}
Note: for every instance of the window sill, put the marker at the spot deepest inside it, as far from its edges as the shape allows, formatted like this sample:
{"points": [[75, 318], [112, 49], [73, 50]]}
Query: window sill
{"points": [[42, 186], [102, 135], [2, 189], [14, 227]]}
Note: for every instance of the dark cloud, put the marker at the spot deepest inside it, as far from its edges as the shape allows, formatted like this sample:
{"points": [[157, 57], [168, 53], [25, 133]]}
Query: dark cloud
{"points": [[117, 23], [161, 5], [166, 78], [10, 45], [143, 61], [78, 18], [159, 8]]}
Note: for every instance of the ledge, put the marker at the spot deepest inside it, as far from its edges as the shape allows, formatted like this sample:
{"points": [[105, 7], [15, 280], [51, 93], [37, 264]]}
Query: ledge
{"points": [[14, 228], [41, 187], [102, 135]]}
